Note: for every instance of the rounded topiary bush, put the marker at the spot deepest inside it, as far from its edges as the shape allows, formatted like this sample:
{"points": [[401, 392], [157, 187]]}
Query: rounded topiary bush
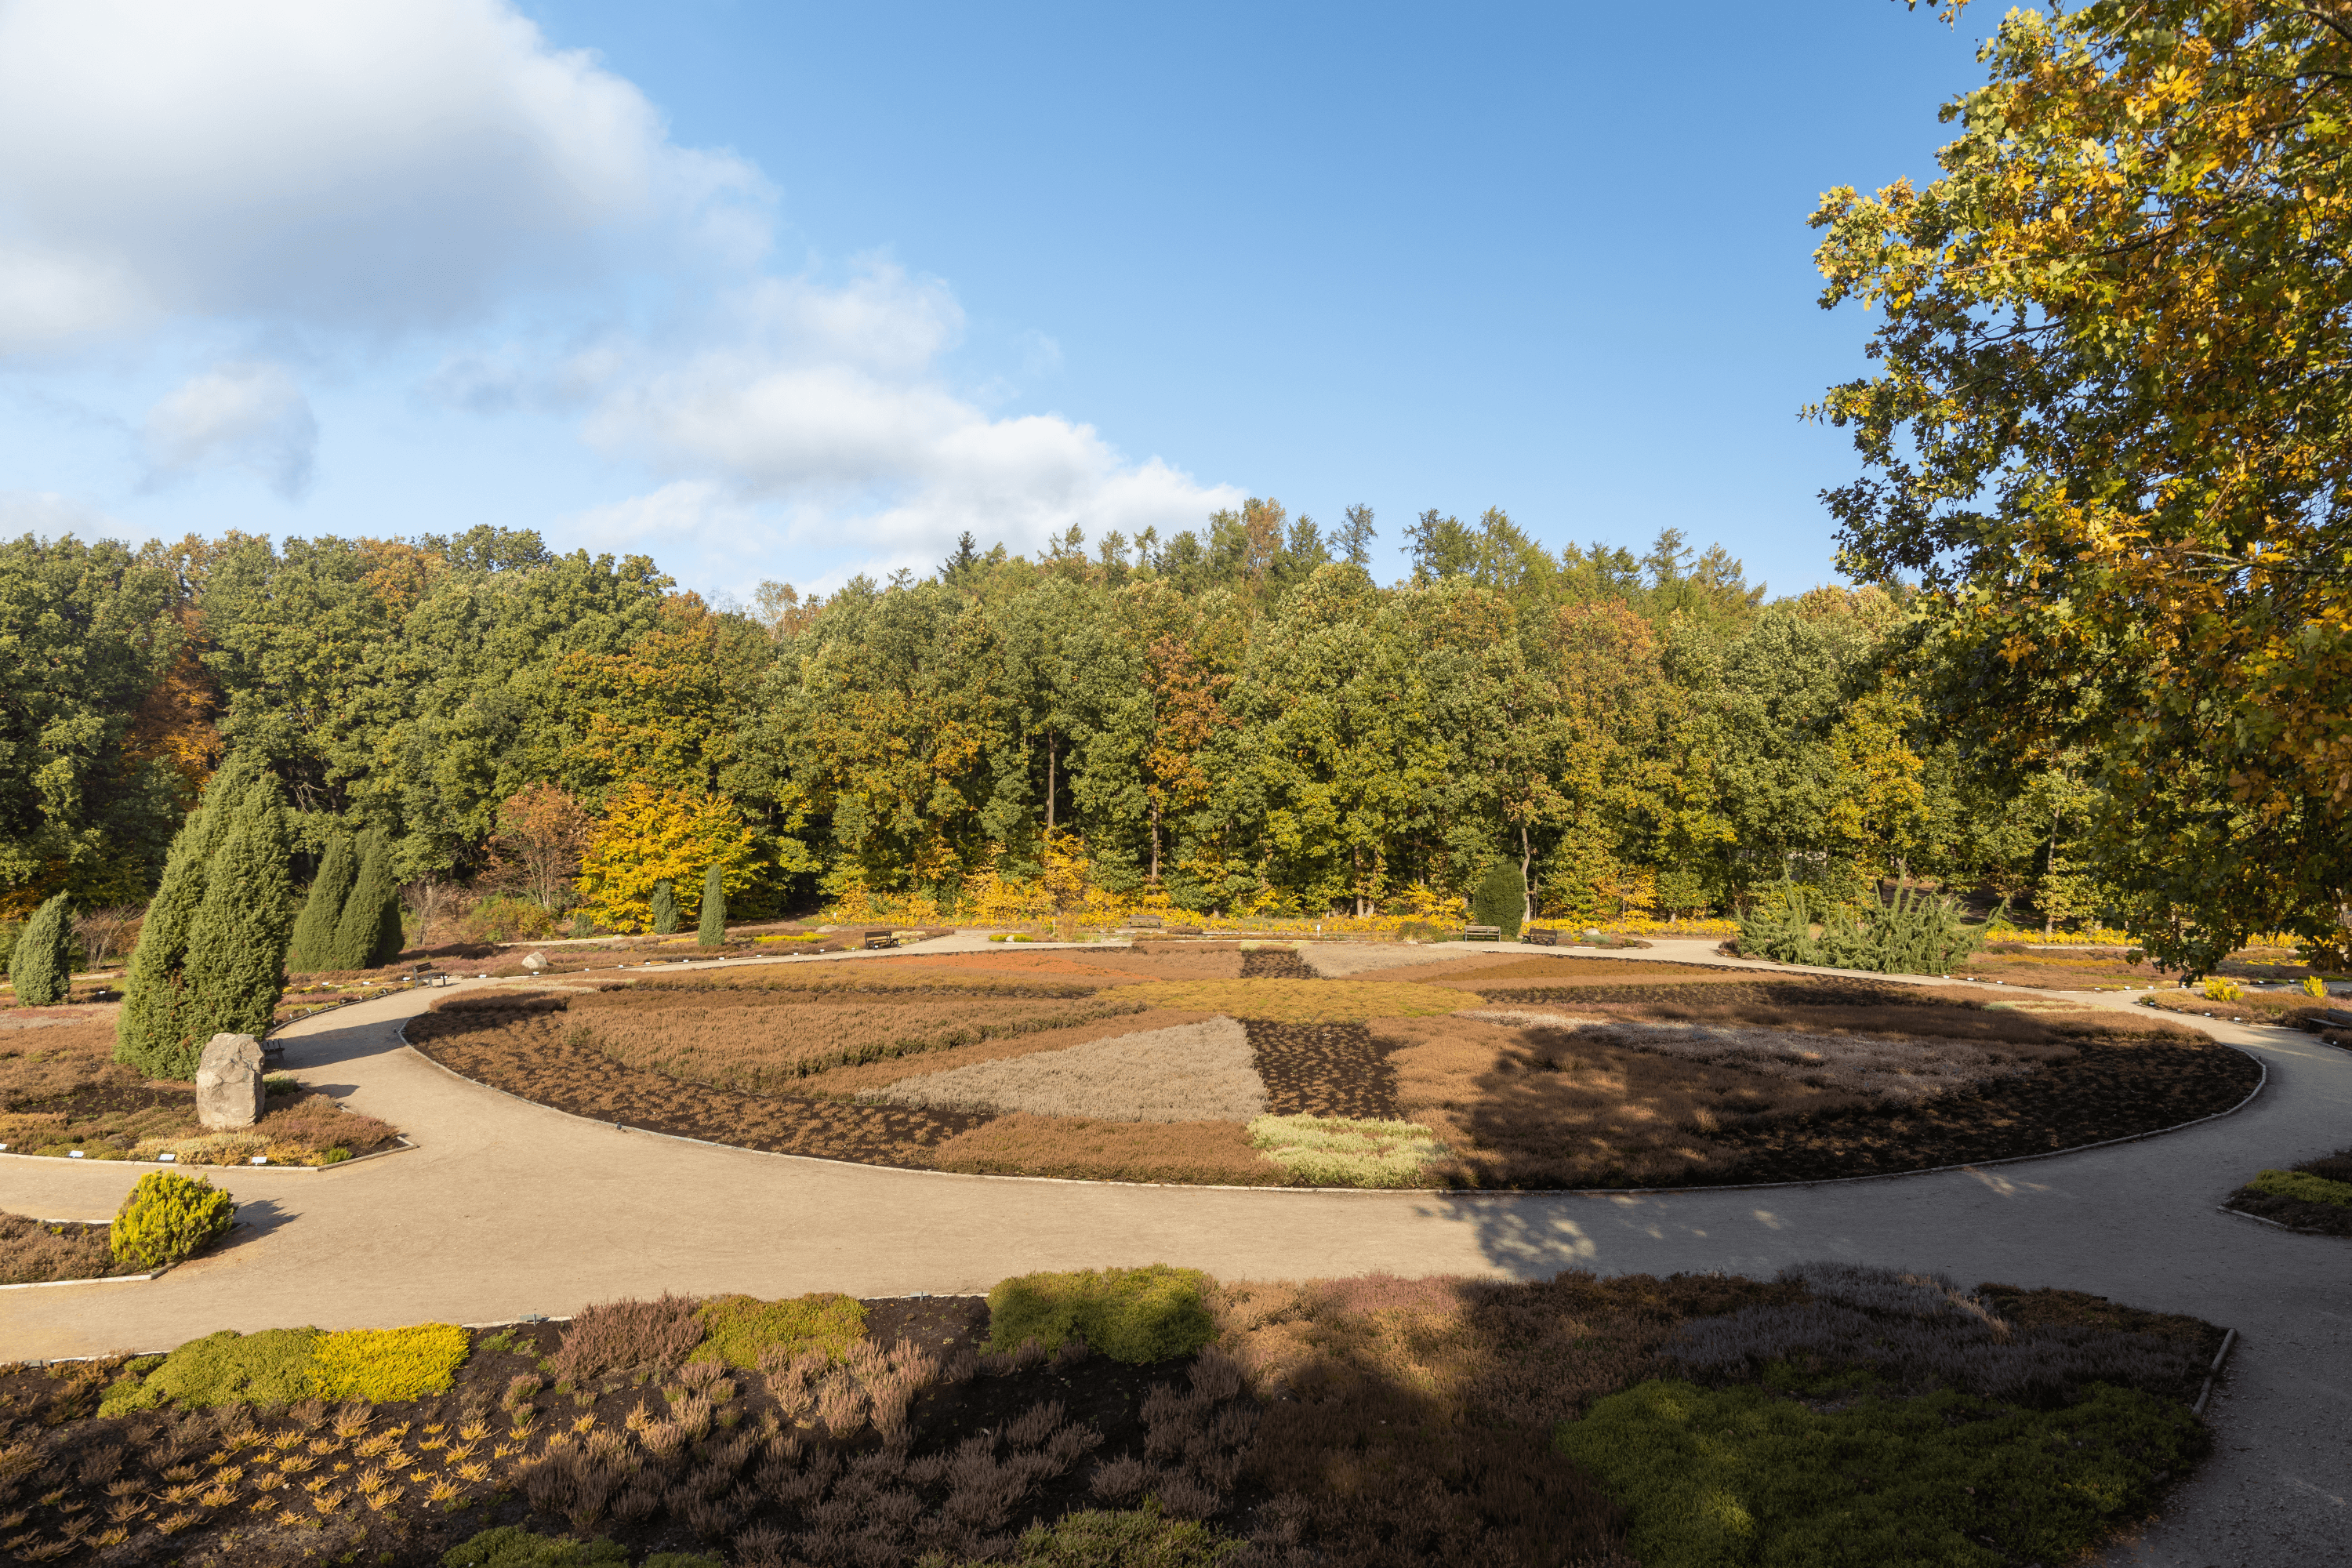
{"points": [[1134, 1315], [168, 1216]]}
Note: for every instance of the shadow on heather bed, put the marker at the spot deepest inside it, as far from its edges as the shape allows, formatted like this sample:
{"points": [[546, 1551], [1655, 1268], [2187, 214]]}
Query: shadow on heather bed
{"points": [[1832, 1415]]}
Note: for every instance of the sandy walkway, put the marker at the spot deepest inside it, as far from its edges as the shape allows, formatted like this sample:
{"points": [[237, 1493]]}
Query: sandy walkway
{"points": [[507, 1208]]}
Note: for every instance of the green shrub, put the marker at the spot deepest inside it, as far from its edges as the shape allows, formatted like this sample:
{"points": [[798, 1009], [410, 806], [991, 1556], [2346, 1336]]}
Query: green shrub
{"points": [[1500, 899], [168, 1216], [1742, 1476], [322, 909], [735, 1329], [271, 1367], [1918, 933], [512, 1546], [664, 902], [380, 1364], [2302, 1184], [41, 966], [1137, 1539], [1132, 1315], [713, 929]]}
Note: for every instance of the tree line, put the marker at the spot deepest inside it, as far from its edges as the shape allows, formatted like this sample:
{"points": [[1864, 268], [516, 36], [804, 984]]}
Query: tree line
{"points": [[1239, 718]]}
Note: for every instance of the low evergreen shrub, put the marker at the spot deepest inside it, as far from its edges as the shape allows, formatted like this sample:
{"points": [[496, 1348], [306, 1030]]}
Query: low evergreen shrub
{"points": [[1746, 1476], [1500, 899], [665, 909], [2304, 1187], [168, 1216], [736, 1329], [621, 1336], [41, 966], [512, 1546], [1134, 1315], [380, 1364], [713, 929], [368, 935], [1139, 1538], [272, 1367]]}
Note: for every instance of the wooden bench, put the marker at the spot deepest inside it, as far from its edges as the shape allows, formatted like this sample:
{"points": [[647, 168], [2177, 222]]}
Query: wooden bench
{"points": [[1482, 933], [881, 939], [1542, 936]]}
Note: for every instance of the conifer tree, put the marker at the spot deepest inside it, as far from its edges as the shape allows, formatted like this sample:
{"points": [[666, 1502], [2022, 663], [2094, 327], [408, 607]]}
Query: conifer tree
{"points": [[714, 909], [1501, 899], [665, 909], [237, 950], [150, 1030], [42, 965], [369, 932], [323, 911]]}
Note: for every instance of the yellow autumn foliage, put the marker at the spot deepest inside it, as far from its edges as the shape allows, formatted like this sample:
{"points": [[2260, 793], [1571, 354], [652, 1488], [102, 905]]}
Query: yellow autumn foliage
{"points": [[648, 836]]}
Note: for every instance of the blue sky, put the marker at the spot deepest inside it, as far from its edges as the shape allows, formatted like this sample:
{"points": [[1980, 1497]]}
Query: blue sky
{"points": [[786, 291]]}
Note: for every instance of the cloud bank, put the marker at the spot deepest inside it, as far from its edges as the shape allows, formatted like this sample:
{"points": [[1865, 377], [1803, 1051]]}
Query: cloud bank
{"points": [[425, 172]]}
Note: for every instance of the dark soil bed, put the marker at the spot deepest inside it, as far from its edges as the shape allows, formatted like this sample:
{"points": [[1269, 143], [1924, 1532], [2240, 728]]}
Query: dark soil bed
{"points": [[1323, 1070], [2108, 1091], [1274, 963]]}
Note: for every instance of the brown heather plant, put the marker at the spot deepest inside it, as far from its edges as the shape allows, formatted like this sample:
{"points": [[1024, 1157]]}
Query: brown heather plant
{"points": [[867, 1076], [32, 1252], [1216, 1152], [625, 1335]]}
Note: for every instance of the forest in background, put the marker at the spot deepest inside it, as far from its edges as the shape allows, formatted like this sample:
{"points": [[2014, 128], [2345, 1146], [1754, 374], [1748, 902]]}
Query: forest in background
{"points": [[1240, 718]]}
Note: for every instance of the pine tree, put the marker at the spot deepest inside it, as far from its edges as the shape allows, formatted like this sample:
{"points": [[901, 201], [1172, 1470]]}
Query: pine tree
{"points": [[369, 932], [236, 951], [42, 965], [149, 1033], [1501, 899], [665, 909], [323, 911], [714, 909]]}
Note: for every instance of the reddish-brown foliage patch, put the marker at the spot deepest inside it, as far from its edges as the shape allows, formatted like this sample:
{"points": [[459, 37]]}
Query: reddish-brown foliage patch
{"points": [[1211, 1152]]}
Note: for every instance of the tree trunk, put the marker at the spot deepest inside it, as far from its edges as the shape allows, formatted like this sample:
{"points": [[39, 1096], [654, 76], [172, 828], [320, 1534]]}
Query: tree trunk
{"points": [[1049, 784], [1155, 843], [1527, 875]]}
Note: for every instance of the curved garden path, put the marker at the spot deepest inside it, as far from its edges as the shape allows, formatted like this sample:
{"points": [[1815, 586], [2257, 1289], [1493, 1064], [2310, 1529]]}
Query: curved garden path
{"points": [[506, 1209]]}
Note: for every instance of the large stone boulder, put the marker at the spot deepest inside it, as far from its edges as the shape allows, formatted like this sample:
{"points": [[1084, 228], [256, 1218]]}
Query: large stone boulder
{"points": [[228, 1082]]}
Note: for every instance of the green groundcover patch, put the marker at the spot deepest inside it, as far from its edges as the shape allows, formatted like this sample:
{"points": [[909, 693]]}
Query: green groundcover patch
{"points": [[1733, 1477], [2304, 1185]]}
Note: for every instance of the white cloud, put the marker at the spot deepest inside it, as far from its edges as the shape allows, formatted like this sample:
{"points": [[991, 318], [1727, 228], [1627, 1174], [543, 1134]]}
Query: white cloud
{"points": [[377, 164], [47, 514], [251, 415], [827, 400]]}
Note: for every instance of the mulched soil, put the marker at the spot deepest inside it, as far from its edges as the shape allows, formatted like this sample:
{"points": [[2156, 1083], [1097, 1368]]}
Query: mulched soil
{"points": [[2107, 1091], [1323, 1070], [1274, 963], [525, 1054]]}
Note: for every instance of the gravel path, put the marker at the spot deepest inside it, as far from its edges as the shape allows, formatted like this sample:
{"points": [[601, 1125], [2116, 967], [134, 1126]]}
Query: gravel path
{"points": [[506, 1209]]}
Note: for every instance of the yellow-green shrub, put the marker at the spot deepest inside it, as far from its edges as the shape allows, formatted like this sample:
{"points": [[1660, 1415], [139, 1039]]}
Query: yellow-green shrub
{"points": [[2220, 989], [168, 1216], [2312, 985], [1342, 1152], [378, 1364], [1132, 1315], [2304, 1185], [736, 1329], [272, 1367]]}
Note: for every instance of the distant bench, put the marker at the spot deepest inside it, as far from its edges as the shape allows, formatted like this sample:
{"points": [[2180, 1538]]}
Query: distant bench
{"points": [[1482, 933]]}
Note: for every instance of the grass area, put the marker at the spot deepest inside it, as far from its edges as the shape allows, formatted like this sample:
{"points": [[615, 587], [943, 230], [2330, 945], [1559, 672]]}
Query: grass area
{"points": [[1144, 1415], [61, 1090]]}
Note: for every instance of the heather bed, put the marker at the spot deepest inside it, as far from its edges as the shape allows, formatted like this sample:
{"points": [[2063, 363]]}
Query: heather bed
{"points": [[1379, 1421], [2315, 1198], [1496, 1071], [61, 1091]]}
